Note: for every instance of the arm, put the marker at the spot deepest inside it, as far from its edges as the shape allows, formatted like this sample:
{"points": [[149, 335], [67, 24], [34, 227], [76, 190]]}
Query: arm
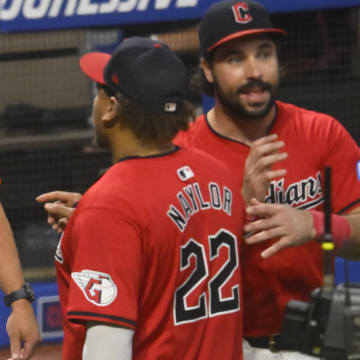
{"points": [[21, 325], [258, 171], [105, 341], [295, 227], [59, 205]]}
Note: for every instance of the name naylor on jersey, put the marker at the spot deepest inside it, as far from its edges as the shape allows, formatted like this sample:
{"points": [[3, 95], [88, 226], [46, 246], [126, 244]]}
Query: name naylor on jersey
{"points": [[193, 199]]}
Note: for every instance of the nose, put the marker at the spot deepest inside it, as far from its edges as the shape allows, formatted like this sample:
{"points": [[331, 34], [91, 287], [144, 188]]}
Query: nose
{"points": [[252, 69]]}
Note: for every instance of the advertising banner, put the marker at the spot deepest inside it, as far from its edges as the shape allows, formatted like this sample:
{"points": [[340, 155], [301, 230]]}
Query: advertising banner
{"points": [[34, 15]]}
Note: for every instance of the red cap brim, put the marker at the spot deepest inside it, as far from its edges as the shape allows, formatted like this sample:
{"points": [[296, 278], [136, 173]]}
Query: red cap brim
{"points": [[93, 65], [245, 33]]}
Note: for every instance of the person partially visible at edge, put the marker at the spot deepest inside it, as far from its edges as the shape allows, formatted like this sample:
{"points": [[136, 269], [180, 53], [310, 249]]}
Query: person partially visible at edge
{"points": [[21, 325], [279, 152], [148, 265]]}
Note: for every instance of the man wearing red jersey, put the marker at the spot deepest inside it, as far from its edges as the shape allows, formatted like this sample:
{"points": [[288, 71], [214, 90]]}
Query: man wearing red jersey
{"points": [[279, 151], [148, 266]]}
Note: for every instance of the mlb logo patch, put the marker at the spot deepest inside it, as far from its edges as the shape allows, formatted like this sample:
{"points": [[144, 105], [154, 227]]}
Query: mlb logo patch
{"points": [[358, 169], [170, 107], [185, 173]]}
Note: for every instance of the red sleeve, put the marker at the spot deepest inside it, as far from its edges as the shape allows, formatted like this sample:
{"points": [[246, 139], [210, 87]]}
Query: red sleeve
{"points": [[343, 156], [105, 276]]}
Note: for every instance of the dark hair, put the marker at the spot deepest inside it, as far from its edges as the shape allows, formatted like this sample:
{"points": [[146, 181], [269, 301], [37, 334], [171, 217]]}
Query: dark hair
{"points": [[108, 91], [201, 85], [153, 128]]}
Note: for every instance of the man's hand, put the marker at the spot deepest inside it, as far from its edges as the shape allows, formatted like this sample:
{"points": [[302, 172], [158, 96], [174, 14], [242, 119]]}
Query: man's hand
{"points": [[23, 330], [258, 174], [59, 205], [292, 226]]}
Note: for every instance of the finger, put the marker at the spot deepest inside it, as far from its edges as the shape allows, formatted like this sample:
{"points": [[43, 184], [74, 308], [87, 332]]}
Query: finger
{"points": [[51, 220], [53, 196], [15, 347], [28, 350], [273, 249], [263, 235], [263, 210], [267, 149], [273, 174], [255, 201], [267, 161], [265, 139], [58, 210]]}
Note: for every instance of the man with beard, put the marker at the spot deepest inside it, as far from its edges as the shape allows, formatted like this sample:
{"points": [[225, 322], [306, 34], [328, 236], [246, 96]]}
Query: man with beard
{"points": [[148, 266], [279, 152]]}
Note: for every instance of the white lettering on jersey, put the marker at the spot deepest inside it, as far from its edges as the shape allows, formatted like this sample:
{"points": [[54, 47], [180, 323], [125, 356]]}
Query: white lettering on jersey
{"points": [[191, 200], [97, 287], [307, 192], [358, 169]]}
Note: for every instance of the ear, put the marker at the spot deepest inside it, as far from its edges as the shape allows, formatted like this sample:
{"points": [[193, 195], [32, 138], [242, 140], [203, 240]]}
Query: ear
{"points": [[206, 68], [110, 114]]}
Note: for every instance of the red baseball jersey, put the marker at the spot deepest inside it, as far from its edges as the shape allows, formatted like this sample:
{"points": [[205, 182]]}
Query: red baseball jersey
{"points": [[312, 141], [154, 246]]}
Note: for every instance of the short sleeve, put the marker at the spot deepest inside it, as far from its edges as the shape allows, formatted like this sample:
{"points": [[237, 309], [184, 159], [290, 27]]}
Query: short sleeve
{"points": [[343, 156], [105, 275]]}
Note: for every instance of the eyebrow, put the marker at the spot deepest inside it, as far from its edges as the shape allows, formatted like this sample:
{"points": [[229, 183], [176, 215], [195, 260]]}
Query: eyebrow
{"points": [[268, 44]]}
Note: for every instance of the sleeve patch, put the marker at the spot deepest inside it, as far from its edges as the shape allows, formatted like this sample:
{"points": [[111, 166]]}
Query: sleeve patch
{"points": [[98, 287]]}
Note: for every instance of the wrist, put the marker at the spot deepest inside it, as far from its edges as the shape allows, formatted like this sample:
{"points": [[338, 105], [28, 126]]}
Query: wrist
{"points": [[25, 292], [341, 229], [20, 303]]}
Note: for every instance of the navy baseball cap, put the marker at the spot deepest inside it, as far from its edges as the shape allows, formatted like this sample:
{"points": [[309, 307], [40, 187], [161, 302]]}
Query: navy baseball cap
{"points": [[143, 70], [227, 20]]}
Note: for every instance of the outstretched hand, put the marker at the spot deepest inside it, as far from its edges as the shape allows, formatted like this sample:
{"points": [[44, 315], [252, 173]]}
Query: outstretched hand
{"points": [[293, 227], [258, 171], [59, 206]]}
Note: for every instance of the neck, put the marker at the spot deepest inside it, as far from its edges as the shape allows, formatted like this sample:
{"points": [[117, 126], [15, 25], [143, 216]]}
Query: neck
{"points": [[125, 145], [244, 130]]}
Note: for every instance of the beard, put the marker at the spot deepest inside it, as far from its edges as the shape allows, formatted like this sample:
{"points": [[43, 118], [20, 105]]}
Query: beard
{"points": [[235, 106]]}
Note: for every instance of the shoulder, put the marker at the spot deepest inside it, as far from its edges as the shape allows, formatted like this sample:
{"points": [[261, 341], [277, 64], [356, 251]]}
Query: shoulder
{"points": [[307, 121], [195, 128], [109, 191], [209, 167], [297, 112]]}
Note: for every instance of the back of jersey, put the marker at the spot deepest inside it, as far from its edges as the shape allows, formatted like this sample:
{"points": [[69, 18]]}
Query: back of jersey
{"points": [[190, 289]]}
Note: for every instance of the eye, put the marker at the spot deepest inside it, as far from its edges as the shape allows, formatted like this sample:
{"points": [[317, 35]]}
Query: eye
{"points": [[265, 54], [233, 59]]}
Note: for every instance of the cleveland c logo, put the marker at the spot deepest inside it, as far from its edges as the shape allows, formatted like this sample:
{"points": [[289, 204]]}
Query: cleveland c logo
{"points": [[241, 12]]}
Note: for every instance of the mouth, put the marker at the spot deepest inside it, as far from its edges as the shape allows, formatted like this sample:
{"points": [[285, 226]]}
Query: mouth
{"points": [[255, 94]]}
